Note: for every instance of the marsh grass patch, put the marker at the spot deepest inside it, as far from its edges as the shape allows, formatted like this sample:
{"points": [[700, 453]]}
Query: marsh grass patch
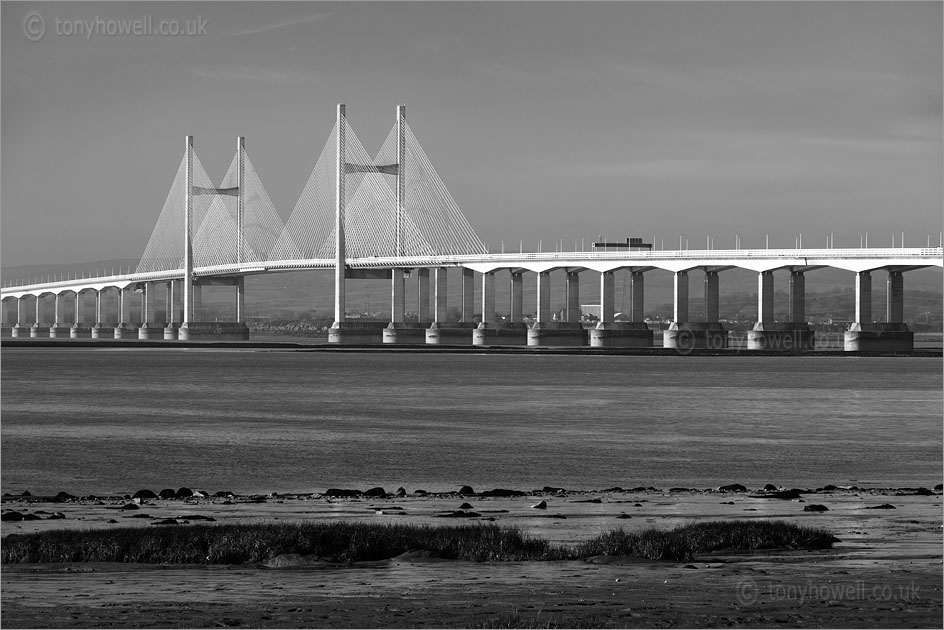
{"points": [[356, 542]]}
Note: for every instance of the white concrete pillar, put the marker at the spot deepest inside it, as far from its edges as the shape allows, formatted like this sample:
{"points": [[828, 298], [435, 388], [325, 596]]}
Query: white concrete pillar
{"points": [[397, 296], [99, 308], [680, 301], [516, 308], [572, 290], [895, 300], [637, 289], [488, 297], [79, 310], [60, 311], [863, 297], [544, 297], [188, 293], [401, 175], [797, 297], [711, 296], [168, 303], [240, 200], [147, 304], [439, 296], [422, 294], [765, 297], [124, 306], [240, 299], [39, 310], [607, 296], [339, 252], [21, 312], [468, 295]]}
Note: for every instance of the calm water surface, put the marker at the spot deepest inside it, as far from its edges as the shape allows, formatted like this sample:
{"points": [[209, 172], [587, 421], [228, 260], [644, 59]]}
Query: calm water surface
{"points": [[116, 420]]}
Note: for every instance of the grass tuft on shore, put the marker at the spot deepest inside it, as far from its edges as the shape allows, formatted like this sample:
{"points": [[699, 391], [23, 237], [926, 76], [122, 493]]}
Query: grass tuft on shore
{"points": [[356, 542], [682, 543]]}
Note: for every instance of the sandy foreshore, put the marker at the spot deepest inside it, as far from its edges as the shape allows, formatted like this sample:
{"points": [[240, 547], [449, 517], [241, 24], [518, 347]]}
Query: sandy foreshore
{"points": [[885, 572]]}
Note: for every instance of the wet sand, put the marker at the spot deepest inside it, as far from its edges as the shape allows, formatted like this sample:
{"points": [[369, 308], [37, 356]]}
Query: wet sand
{"points": [[885, 572]]}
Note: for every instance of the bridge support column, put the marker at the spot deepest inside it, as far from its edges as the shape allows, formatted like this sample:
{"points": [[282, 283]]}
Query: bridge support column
{"points": [[21, 329], [6, 326], [802, 337], [441, 331], [895, 298], [125, 329], [9, 312], [684, 335], [670, 336], [468, 295], [572, 294], [39, 328], [398, 330], [101, 330], [60, 329], [172, 326], [711, 296], [891, 336], [149, 328], [789, 336], [79, 330], [637, 290], [546, 332], [422, 295], [619, 334], [516, 308], [490, 332], [797, 297]]}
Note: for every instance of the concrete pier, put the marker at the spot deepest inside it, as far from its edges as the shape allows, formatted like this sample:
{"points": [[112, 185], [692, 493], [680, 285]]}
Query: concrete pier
{"points": [[149, 329], [125, 329], [545, 331], [404, 333], [491, 334], [889, 336], [878, 337], [621, 335], [557, 334], [399, 331], [618, 334], [213, 331], [60, 329], [695, 336], [679, 309], [79, 329], [452, 333], [787, 336]]}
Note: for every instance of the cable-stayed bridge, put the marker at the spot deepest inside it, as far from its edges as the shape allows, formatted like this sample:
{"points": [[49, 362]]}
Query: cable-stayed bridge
{"points": [[391, 216]]}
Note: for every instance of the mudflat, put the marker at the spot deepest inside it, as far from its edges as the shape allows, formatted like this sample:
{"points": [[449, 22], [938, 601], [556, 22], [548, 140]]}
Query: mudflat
{"points": [[885, 572]]}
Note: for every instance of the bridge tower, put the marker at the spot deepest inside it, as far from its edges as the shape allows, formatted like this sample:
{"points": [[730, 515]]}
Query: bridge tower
{"points": [[190, 328]]}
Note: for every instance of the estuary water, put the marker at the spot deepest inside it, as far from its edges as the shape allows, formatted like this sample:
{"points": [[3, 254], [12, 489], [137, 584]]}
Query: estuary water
{"points": [[95, 421]]}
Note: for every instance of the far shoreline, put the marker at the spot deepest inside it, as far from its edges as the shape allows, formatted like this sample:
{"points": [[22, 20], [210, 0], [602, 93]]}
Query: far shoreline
{"points": [[294, 346]]}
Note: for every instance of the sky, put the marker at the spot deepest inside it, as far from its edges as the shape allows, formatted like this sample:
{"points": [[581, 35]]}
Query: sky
{"points": [[546, 121]]}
